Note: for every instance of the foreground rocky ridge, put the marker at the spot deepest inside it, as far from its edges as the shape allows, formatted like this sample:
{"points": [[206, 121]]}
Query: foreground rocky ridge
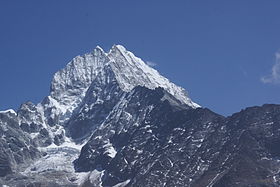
{"points": [[111, 120], [167, 145]]}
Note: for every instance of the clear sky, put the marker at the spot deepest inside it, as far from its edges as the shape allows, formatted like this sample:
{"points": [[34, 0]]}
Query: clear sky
{"points": [[223, 52]]}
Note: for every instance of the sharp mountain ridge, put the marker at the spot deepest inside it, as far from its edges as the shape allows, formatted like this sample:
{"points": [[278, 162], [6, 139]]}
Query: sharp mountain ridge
{"points": [[112, 120]]}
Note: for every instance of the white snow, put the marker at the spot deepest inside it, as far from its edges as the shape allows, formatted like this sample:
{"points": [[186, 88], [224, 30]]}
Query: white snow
{"points": [[81, 177], [58, 158], [131, 71], [265, 158], [94, 177], [68, 89], [270, 123], [68, 143], [122, 184], [110, 150], [9, 111], [70, 84], [33, 135], [275, 178], [212, 182]]}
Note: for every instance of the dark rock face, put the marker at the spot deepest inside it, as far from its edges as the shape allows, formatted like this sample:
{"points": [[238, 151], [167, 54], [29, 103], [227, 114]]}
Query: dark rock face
{"points": [[16, 147], [101, 97], [162, 144], [31, 122], [139, 129], [148, 138], [255, 135], [169, 145]]}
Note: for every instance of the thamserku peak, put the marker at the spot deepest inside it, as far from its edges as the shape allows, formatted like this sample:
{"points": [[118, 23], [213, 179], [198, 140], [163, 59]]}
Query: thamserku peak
{"points": [[112, 120], [70, 84]]}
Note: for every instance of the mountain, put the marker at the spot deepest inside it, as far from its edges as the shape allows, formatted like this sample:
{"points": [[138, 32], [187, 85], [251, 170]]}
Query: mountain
{"points": [[112, 120], [91, 85], [17, 148]]}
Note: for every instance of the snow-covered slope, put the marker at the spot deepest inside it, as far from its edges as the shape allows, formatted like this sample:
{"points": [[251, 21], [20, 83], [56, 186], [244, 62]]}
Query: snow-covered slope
{"points": [[106, 115], [131, 71], [82, 96], [70, 84], [96, 70]]}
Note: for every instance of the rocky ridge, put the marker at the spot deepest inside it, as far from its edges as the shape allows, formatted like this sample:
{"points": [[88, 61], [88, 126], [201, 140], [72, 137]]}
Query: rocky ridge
{"points": [[111, 120]]}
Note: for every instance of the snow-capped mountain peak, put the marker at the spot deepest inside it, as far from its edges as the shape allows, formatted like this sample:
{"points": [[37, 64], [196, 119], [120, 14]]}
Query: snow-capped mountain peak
{"points": [[70, 84], [111, 120], [97, 69], [132, 71]]}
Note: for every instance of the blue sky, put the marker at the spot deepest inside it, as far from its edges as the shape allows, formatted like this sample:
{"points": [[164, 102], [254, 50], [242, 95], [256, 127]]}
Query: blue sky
{"points": [[222, 52]]}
